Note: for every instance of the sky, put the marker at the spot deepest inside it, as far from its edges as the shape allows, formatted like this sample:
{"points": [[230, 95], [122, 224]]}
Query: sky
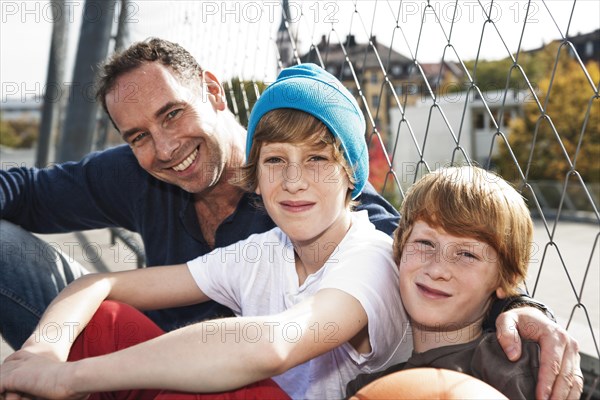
{"points": [[232, 37]]}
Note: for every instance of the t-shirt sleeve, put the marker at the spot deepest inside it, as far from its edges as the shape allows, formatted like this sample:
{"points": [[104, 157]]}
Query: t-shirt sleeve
{"points": [[225, 273], [523, 374], [367, 272], [516, 380], [216, 274]]}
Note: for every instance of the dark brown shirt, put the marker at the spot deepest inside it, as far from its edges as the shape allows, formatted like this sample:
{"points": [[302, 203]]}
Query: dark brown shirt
{"points": [[482, 358]]}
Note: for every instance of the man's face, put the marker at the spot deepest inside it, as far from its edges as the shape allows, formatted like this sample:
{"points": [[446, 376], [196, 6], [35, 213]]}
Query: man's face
{"points": [[171, 126]]}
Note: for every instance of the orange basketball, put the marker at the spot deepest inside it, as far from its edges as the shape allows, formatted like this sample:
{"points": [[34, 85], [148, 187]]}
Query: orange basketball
{"points": [[427, 383]]}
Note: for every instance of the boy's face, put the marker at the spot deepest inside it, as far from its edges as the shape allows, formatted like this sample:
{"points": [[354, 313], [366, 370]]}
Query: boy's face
{"points": [[446, 281], [304, 190]]}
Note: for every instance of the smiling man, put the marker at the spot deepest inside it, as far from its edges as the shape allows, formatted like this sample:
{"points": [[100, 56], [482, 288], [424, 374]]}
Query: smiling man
{"points": [[183, 135]]}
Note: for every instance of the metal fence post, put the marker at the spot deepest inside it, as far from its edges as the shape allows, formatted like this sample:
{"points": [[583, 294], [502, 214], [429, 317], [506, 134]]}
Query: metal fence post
{"points": [[80, 123], [122, 40], [54, 82]]}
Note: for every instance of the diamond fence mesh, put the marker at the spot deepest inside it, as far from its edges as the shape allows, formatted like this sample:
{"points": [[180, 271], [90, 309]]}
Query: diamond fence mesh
{"points": [[511, 86]]}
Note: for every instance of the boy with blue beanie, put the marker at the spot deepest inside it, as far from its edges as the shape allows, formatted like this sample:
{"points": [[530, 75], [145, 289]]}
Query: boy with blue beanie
{"points": [[309, 88], [315, 296]]}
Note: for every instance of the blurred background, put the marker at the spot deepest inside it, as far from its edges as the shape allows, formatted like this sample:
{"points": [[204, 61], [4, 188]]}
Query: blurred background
{"points": [[509, 85]]}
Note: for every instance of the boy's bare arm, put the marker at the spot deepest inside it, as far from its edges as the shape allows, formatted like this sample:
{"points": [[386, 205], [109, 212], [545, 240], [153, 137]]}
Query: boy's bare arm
{"points": [[211, 356], [151, 288]]}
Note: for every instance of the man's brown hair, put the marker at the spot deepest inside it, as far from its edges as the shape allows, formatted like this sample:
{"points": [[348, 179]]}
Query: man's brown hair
{"points": [[169, 54]]}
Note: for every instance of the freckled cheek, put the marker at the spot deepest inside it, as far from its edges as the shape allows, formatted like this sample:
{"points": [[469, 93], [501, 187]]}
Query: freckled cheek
{"points": [[410, 261], [405, 274], [265, 190], [403, 282]]}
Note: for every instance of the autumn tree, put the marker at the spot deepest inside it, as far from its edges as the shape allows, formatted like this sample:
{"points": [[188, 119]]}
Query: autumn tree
{"points": [[20, 133], [491, 75], [562, 129]]}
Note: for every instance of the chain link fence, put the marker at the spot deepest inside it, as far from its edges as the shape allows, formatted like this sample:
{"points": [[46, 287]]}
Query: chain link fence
{"points": [[512, 86]]}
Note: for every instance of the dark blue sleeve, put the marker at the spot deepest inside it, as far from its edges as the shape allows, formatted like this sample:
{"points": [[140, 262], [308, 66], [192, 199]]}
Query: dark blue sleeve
{"points": [[101, 190], [381, 213]]}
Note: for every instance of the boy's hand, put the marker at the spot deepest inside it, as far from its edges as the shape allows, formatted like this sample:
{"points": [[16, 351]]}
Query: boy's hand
{"points": [[24, 375], [560, 375]]}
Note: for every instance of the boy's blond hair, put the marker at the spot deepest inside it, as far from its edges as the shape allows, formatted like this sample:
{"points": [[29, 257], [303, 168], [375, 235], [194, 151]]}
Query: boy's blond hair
{"points": [[471, 202], [286, 125]]}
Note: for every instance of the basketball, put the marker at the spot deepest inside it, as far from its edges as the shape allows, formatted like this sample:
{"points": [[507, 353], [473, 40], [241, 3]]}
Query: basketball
{"points": [[427, 383]]}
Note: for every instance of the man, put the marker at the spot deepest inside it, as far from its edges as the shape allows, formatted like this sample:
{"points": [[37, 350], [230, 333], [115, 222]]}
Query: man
{"points": [[171, 185]]}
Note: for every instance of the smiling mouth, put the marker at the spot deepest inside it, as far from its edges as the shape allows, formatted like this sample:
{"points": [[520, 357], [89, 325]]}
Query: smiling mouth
{"points": [[297, 206], [432, 293], [187, 162]]}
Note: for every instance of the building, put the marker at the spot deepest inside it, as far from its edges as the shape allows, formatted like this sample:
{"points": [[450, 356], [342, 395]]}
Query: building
{"points": [[367, 72], [458, 116], [587, 46], [387, 79], [29, 108], [443, 78]]}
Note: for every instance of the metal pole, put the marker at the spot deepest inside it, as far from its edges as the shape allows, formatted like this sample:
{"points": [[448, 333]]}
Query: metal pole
{"points": [[54, 80], [121, 41], [80, 123]]}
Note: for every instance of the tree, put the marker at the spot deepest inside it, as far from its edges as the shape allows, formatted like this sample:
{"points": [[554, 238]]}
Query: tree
{"points": [[18, 133], [491, 75], [566, 100], [244, 94], [8, 136]]}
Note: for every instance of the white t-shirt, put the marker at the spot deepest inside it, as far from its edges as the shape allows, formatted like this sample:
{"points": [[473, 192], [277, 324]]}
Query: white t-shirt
{"points": [[257, 277]]}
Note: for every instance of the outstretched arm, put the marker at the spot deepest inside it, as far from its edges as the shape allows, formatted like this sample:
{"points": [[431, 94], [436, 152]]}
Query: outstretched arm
{"points": [[560, 374], [206, 357], [70, 312], [41, 200]]}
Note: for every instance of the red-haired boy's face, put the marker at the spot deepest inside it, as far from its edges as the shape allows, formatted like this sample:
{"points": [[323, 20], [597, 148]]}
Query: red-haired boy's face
{"points": [[446, 282]]}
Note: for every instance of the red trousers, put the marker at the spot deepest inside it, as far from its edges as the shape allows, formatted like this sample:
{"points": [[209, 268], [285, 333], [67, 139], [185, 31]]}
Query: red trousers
{"points": [[116, 326]]}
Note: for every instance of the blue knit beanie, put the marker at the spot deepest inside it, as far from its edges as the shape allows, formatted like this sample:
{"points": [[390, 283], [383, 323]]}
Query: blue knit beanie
{"points": [[309, 88]]}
